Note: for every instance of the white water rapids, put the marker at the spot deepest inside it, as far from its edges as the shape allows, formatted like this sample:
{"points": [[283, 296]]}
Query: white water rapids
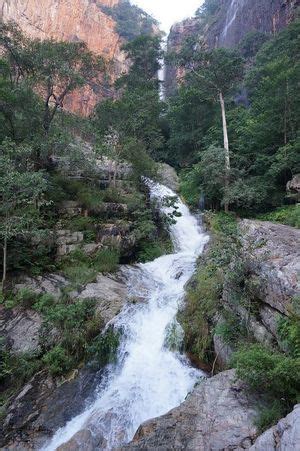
{"points": [[149, 378]]}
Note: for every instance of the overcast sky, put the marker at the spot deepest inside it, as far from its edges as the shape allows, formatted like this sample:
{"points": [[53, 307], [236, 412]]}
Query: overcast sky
{"points": [[168, 12]]}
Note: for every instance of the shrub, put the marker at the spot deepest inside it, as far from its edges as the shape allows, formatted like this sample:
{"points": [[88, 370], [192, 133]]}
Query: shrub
{"points": [[103, 349], [26, 297], [57, 361], [286, 215], [268, 416], [150, 251], [289, 330], [271, 373], [80, 273], [106, 260]]}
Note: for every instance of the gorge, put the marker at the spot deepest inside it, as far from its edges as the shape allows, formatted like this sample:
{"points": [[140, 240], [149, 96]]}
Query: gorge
{"points": [[150, 241]]}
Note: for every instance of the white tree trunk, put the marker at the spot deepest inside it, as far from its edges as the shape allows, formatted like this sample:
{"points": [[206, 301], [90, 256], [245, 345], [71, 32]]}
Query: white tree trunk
{"points": [[226, 148]]}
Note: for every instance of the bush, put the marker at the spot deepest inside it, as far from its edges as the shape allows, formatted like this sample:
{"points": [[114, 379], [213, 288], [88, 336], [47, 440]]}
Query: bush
{"points": [[286, 215], [269, 416], [80, 273], [103, 349], [289, 330], [106, 260], [150, 251], [57, 361], [271, 373]]}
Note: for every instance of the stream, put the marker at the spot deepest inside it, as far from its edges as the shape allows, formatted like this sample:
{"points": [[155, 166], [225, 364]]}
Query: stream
{"points": [[151, 376]]}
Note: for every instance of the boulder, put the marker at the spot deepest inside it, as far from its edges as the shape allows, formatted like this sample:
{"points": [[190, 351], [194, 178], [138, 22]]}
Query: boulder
{"points": [[169, 176], [285, 436], [217, 415], [110, 291], [293, 187]]}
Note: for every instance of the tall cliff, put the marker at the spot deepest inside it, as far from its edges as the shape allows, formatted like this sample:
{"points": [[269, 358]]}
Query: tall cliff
{"points": [[85, 20], [229, 23]]}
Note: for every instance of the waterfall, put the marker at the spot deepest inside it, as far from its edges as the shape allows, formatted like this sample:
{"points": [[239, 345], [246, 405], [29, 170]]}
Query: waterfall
{"points": [[150, 377], [230, 17]]}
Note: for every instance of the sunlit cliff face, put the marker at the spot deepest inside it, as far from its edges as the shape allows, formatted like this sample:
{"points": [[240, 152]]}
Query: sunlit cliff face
{"points": [[78, 20]]}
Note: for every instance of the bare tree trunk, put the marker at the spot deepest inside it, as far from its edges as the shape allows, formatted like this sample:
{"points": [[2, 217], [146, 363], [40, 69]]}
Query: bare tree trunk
{"points": [[4, 263], [226, 148]]}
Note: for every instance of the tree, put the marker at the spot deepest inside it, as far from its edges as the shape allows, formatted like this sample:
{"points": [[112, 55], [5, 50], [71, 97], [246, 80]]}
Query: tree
{"points": [[21, 190], [59, 68], [135, 115], [217, 72], [52, 69]]}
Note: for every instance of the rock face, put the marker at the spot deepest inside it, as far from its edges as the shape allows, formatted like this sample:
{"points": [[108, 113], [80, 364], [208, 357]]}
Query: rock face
{"points": [[277, 250], [21, 329], [216, 416], [77, 20], [285, 436], [271, 253], [232, 21], [45, 404]]}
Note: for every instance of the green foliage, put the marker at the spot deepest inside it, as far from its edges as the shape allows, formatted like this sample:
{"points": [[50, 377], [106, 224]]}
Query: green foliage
{"points": [[131, 20], [289, 215], [252, 43], [150, 251], [269, 416], [209, 8], [269, 372], [82, 269], [231, 330], [289, 330], [16, 368], [103, 350], [57, 361], [263, 138], [106, 260]]}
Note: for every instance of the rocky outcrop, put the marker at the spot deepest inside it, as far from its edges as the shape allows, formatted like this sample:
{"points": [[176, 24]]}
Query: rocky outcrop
{"points": [[271, 256], [285, 436], [79, 20], [45, 403], [293, 188], [216, 415], [231, 22], [20, 329], [275, 252]]}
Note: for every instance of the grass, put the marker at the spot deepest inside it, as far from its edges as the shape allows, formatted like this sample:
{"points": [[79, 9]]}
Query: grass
{"points": [[289, 215]]}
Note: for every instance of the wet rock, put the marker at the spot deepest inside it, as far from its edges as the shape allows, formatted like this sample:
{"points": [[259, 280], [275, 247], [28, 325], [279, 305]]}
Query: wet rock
{"points": [[43, 406], [285, 436], [20, 329], [218, 415], [111, 294], [169, 176], [84, 440]]}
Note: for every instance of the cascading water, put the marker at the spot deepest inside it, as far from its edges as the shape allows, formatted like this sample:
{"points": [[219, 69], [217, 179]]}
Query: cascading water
{"points": [[149, 378], [235, 5]]}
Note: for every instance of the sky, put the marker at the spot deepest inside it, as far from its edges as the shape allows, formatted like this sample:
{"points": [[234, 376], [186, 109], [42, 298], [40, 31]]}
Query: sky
{"points": [[167, 12]]}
